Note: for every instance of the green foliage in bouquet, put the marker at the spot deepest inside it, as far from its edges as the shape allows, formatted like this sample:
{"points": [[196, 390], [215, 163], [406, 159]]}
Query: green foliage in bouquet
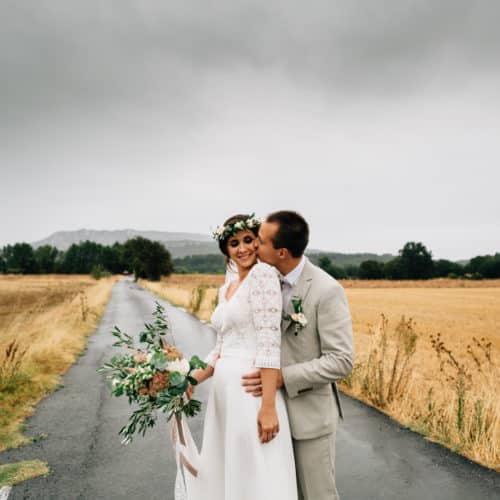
{"points": [[153, 378]]}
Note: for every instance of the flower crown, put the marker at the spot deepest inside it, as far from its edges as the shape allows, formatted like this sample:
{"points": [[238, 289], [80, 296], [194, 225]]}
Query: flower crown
{"points": [[224, 232]]}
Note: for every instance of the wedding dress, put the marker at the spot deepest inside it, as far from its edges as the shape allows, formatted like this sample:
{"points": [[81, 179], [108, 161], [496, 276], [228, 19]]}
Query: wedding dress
{"points": [[233, 464]]}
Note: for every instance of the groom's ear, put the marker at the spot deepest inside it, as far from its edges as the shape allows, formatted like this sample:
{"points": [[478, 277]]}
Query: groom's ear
{"points": [[283, 253]]}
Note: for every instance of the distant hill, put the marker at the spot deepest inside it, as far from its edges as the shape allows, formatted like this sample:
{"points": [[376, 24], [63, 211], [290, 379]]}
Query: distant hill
{"points": [[183, 244], [347, 259], [179, 244], [214, 263]]}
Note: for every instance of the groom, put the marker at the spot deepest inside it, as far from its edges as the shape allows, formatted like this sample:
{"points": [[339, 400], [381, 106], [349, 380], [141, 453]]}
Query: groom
{"points": [[313, 355]]}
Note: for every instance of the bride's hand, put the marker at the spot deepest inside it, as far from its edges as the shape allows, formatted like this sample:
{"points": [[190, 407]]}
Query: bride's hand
{"points": [[197, 376], [267, 423]]}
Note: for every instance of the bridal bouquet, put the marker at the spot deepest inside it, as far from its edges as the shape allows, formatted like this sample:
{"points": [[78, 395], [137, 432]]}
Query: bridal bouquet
{"points": [[154, 377]]}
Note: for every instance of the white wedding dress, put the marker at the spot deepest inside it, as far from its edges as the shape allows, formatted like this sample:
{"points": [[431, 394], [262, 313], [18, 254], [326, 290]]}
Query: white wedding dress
{"points": [[233, 464]]}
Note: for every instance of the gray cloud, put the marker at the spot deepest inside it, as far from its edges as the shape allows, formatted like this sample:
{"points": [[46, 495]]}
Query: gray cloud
{"points": [[159, 107], [67, 55]]}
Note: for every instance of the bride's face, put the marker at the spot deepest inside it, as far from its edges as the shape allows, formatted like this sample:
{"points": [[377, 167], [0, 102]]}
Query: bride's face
{"points": [[241, 249]]}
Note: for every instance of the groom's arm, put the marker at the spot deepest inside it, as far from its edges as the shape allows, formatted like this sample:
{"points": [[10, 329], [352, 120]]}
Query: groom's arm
{"points": [[334, 328]]}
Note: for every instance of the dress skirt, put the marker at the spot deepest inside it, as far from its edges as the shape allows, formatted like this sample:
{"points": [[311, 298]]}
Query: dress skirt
{"points": [[233, 463]]}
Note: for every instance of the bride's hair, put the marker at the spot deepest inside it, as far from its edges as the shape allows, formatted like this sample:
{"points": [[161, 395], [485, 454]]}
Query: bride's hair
{"points": [[233, 220]]}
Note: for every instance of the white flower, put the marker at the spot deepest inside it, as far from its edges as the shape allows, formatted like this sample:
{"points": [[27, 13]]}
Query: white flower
{"points": [[299, 318], [179, 365], [220, 230], [115, 382], [250, 224], [302, 319], [239, 225]]}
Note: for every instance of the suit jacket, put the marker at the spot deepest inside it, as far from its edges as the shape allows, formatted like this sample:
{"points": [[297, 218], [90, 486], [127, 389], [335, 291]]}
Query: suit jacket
{"points": [[318, 355]]}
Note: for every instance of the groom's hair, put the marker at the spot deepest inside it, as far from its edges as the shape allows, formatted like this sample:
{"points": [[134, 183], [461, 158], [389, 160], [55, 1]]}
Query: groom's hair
{"points": [[293, 231]]}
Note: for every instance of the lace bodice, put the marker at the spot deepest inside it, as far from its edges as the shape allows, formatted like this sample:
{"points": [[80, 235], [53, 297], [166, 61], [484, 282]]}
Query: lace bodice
{"points": [[249, 323]]}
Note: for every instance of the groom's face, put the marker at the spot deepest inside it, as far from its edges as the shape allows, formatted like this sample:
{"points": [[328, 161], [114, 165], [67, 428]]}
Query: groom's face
{"points": [[264, 244]]}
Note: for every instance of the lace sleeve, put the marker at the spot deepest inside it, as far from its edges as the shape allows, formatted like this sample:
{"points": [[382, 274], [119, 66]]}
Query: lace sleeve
{"points": [[266, 305]]}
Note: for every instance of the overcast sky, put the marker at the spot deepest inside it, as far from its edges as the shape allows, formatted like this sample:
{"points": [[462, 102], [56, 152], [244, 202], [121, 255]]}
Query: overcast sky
{"points": [[378, 121]]}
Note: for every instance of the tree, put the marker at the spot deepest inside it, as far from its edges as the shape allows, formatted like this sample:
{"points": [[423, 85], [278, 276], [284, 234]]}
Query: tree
{"points": [[325, 263], [147, 259], [444, 268], [416, 261], [487, 266], [212, 263], [491, 269], [336, 271], [371, 270], [82, 257], [46, 256], [351, 270], [393, 269], [112, 258], [20, 258], [3, 263]]}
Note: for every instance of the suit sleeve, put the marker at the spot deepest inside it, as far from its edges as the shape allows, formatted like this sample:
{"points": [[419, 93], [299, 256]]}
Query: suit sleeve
{"points": [[334, 328]]}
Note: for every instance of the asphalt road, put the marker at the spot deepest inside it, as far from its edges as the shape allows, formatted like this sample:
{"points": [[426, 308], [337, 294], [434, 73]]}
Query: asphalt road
{"points": [[376, 458]]}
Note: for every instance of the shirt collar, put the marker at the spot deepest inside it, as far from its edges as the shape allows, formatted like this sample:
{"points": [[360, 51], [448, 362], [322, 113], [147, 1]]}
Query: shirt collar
{"points": [[293, 276]]}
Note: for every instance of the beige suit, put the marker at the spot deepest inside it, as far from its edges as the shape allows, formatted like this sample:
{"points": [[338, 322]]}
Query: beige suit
{"points": [[312, 359]]}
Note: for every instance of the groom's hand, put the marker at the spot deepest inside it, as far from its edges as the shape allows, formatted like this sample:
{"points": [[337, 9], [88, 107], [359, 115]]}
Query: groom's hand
{"points": [[253, 383]]}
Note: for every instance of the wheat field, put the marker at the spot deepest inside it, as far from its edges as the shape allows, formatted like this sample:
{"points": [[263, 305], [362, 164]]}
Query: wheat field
{"points": [[197, 293], [426, 353], [44, 323], [449, 388]]}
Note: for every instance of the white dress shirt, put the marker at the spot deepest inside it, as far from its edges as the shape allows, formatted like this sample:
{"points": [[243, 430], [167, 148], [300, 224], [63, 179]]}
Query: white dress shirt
{"points": [[289, 281]]}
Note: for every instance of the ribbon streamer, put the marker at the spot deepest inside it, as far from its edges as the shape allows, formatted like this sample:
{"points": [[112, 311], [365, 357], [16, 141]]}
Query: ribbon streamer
{"points": [[186, 456]]}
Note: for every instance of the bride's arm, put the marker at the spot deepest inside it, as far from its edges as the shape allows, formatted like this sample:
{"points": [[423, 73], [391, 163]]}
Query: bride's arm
{"points": [[267, 419], [212, 357], [266, 306], [200, 375]]}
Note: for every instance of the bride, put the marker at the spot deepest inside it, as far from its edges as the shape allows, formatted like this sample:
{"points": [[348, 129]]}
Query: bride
{"points": [[247, 447]]}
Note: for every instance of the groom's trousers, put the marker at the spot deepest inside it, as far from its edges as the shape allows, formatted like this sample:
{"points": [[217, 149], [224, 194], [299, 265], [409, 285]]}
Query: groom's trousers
{"points": [[315, 465]]}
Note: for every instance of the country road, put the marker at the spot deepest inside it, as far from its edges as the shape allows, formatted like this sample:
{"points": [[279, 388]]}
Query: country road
{"points": [[376, 458]]}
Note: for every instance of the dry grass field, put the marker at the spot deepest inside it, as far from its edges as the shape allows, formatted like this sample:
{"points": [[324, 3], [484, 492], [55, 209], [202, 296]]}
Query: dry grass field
{"points": [[426, 353], [44, 322], [435, 283], [437, 371], [197, 293]]}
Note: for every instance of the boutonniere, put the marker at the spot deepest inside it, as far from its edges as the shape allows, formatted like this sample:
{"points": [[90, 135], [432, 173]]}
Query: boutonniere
{"points": [[298, 317]]}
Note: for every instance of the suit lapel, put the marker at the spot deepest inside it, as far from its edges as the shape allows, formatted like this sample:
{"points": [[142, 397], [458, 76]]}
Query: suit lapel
{"points": [[285, 323], [301, 289]]}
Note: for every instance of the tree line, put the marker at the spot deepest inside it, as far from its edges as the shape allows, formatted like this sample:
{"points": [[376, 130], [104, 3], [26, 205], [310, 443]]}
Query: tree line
{"points": [[140, 256], [150, 259], [415, 262]]}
